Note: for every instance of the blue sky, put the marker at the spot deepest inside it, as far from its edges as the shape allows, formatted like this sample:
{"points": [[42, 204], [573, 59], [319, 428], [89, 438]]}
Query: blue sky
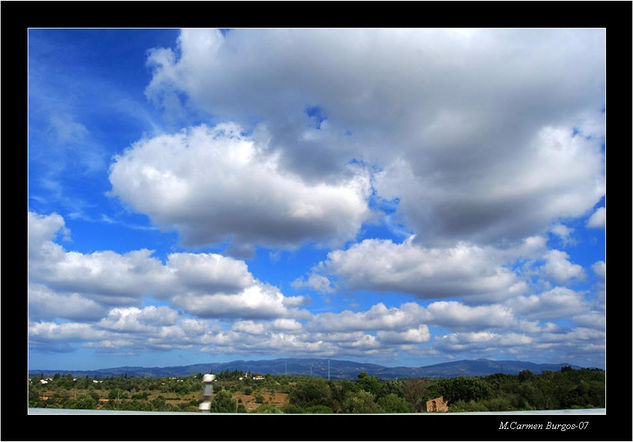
{"points": [[399, 196]]}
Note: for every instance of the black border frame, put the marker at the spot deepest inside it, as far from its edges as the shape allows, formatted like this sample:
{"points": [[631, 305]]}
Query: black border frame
{"points": [[18, 16]]}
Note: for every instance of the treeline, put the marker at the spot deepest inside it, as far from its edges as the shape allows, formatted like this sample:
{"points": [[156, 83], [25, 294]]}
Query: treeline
{"points": [[567, 388]]}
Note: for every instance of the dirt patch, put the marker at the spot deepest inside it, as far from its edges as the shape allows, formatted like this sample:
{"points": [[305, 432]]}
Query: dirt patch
{"points": [[248, 400]]}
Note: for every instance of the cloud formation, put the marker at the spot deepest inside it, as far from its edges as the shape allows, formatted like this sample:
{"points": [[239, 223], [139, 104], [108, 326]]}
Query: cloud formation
{"points": [[214, 183], [205, 284], [484, 135], [433, 164], [465, 270], [598, 219], [217, 305]]}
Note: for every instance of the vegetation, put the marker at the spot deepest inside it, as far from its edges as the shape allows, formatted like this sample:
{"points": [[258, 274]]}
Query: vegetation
{"points": [[237, 392]]}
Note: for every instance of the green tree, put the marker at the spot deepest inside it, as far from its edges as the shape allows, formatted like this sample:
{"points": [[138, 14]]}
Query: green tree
{"points": [[268, 409], [319, 409], [83, 401], [313, 391], [462, 388], [370, 384], [360, 402], [392, 403], [525, 375], [223, 402]]}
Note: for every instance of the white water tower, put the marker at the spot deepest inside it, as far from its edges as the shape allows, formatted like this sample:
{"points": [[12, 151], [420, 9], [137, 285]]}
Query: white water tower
{"points": [[207, 391]]}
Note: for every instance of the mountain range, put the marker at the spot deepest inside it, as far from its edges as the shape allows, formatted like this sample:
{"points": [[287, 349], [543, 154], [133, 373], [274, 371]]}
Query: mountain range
{"points": [[334, 369]]}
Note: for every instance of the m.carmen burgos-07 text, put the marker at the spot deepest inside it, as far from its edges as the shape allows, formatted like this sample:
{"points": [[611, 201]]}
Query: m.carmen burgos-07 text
{"points": [[540, 426]]}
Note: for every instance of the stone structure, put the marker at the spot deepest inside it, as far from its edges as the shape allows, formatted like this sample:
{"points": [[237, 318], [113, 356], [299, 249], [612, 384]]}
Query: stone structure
{"points": [[436, 405]]}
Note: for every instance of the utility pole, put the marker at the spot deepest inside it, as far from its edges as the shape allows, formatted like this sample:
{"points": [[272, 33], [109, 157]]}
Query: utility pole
{"points": [[328, 370]]}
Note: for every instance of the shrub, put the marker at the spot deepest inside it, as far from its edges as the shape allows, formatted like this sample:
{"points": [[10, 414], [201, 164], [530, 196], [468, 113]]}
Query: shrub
{"points": [[223, 402], [319, 409], [360, 402], [392, 403]]}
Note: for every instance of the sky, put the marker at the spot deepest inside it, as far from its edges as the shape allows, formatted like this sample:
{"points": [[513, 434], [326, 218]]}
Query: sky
{"points": [[396, 196]]}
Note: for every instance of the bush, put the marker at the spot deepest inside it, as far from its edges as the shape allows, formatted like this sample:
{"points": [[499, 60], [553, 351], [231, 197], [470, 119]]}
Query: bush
{"points": [[360, 402], [319, 409], [223, 402], [83, 401], [293, 409], [314, 391], [392, 403]]}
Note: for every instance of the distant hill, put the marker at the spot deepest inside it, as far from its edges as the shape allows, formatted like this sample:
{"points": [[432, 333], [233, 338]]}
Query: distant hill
{"points": [[319, 367]]}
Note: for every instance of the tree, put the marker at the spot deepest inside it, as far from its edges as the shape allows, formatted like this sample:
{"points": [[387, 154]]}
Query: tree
{"points": [[414, 391], [525, 375], [83, 401], [462, 388], [314, 391], [392, 403], [223, 402], [319, 409], [268, 409], [360, 402], [371, 384]]}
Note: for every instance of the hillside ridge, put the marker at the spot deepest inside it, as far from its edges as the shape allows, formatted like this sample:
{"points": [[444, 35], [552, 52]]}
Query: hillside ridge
{"points": [[338, 369]]}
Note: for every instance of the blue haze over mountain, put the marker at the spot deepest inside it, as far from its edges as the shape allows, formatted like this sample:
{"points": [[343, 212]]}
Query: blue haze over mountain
{"points": [[339, 369]]}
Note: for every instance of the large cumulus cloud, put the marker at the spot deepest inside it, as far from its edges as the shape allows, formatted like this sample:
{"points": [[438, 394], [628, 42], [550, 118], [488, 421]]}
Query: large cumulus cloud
{"points": [[484, 135], [214, 183]]}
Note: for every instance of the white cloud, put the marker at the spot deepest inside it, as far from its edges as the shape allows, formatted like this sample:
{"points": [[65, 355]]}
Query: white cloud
{"points": [[464, 270], [378, 317], [317, 282], [558, 267], [67, 331], [596, 320], [258, 301], [598, 219], [553, 175], [559, 302], [457, 316], [563, 232], [132, 319], [471, 341], [484, 139], [600, 270], [286, 324], [214, 183], [412, 336], [209, 272], [43, 228], [493, 134], [204, 284], [47, 304]]}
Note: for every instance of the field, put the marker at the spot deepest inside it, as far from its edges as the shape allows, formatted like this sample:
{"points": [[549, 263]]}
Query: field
{"points": [[236, 392]]}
